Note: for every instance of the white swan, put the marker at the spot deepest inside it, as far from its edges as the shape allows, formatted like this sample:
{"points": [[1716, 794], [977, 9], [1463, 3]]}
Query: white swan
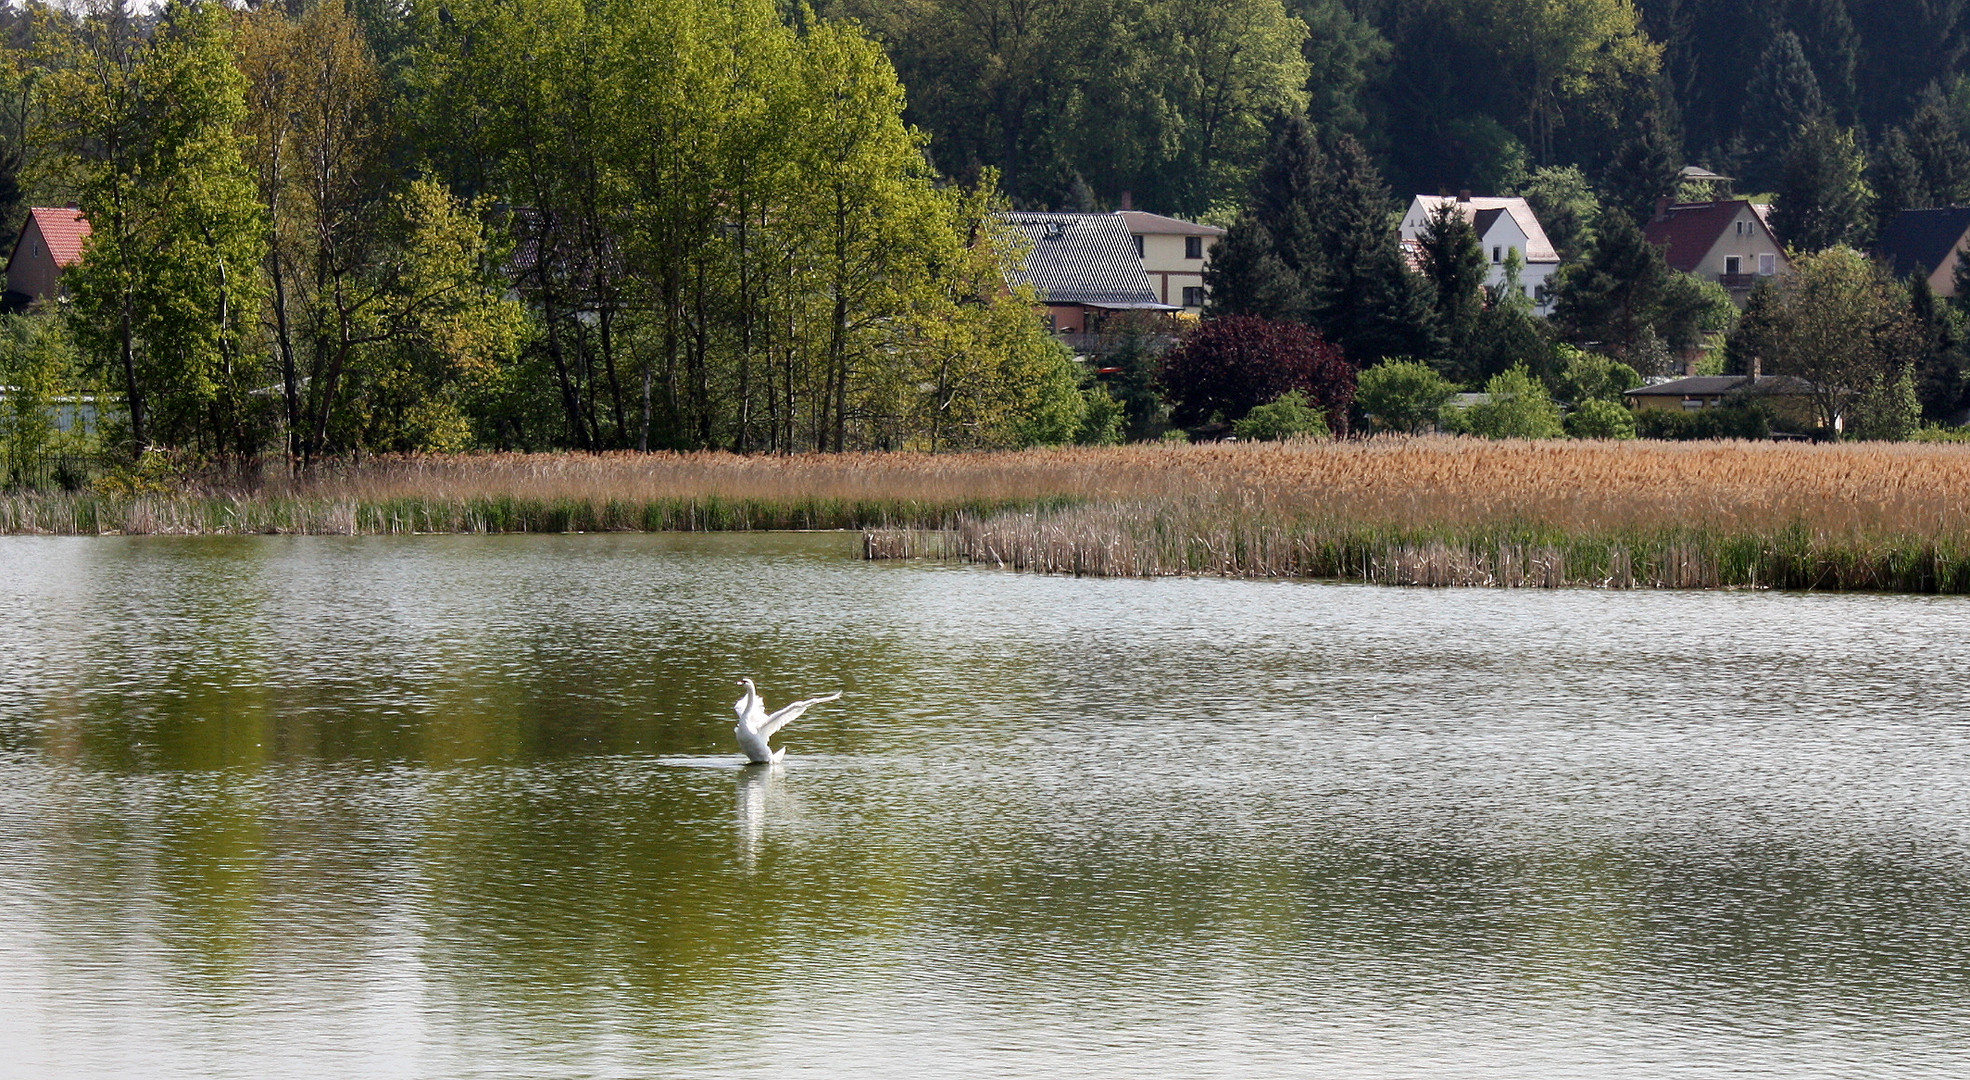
{"points": [[755, 726]]}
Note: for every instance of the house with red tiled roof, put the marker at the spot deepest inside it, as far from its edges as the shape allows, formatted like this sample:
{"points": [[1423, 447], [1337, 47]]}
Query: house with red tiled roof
{"points": [[1728, 241], [49, 243]]}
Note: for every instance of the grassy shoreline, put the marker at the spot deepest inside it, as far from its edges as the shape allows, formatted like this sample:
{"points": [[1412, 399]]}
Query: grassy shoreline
{"points": [[1885, 517]]}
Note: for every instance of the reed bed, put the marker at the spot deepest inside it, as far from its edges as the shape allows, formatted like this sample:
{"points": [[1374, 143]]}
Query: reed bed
{"points": [[1432, 511]]}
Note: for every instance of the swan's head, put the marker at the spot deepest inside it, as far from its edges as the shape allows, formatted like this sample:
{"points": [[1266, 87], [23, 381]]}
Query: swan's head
{"points": [[747, 683]]}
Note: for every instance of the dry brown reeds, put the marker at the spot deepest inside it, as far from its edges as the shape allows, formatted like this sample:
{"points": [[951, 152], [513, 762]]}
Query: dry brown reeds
{"points": [[1413, 511]]}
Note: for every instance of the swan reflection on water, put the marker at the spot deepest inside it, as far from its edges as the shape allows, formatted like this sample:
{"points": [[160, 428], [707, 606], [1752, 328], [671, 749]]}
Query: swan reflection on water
{"points": [[755, 790]]}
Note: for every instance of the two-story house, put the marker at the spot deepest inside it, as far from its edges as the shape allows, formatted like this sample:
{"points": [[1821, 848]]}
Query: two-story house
{"points": [[1503, 225], [1728, 241], [1174, 253], [1085, 268]]}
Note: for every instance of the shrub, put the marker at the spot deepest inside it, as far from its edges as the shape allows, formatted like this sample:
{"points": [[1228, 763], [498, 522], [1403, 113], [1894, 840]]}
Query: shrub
{"points": [[1234, 364], [1586, 376], [1596, 418], [1284, 417], [1403, 395], [1519, 408], [1752, 421]]}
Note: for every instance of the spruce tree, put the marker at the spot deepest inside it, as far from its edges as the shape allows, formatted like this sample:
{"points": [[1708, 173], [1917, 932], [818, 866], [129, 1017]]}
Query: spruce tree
{"points": [[1285, 191], [1645, 169], [1941, 384], [1453, 261], [1822, 196], [1936, 146], [1895, 178], [1783, 94], [1247, 277], [1366, 300], [1607, 298]]}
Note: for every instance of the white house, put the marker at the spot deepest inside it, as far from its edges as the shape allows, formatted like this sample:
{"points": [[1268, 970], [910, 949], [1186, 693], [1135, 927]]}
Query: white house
{"points": [[1503, 225]]}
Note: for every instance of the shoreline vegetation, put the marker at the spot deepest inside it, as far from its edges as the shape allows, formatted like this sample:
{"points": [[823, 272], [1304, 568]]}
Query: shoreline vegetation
{"points": [[1423, 511]]}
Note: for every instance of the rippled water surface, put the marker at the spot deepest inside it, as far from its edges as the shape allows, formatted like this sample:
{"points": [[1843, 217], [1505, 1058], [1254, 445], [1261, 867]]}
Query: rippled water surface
{"points": [[468, 807]]}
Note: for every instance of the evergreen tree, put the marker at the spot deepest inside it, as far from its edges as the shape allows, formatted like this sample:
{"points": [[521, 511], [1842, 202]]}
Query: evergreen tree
{"points": [[1247, 277], [1826, 32], [1895, 179], [1565, 204], [1942, 371], [1365, 299], [1454, 264], [1285, 193], [1936, 146], [1646, 169], [1783, 94], [1823, 198], [1607, 298]]}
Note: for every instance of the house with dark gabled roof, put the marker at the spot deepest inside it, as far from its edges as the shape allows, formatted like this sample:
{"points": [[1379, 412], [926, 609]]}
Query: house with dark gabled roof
{"points": [[49, 243], [1503, 225], [1728, 241], [1926, 244], [1085, 268]]}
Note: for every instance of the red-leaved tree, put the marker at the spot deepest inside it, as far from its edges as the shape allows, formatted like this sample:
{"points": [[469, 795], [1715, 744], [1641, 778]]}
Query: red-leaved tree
{"points": [[1228, 365]]}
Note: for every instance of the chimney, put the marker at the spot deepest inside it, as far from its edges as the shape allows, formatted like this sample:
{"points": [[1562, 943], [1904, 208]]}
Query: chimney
{"points": [[1128, 201], [1661, 209], [1464, 195]]}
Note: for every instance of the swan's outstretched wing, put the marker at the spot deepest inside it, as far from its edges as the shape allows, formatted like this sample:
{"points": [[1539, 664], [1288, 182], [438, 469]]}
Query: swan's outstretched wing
{"points": [[792, 712]]}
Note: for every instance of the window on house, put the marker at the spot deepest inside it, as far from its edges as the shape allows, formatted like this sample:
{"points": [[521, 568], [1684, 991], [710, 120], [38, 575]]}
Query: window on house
{"points": [[1138, 246], [1193, 247], [1767, 265], [36, 248], [1733, 266], [1193, 296], [1497, 254]]}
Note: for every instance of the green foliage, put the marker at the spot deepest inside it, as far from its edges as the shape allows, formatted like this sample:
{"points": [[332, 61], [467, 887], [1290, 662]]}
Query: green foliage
{"points": [[1403, 395], [1823, 198], [1729, 421], [1454, 265], [1288, 416], [1566, 207], [1519, 407], [1585, 376], [42, 415], [1838, 323], [166, 298], [1598, 418], [1888, 410]]}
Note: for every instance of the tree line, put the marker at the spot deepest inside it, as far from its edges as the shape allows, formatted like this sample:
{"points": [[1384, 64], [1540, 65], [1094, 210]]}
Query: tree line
{"points": [[466, 223]]}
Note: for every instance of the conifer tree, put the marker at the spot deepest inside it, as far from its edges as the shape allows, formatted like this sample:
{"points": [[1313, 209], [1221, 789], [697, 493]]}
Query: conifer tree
{"points": [[1366, 300], [1823, 196], [1936, 146], [1782, 95], [1645, 169], [1609, 296], [1453, 261], [1247, 277]]}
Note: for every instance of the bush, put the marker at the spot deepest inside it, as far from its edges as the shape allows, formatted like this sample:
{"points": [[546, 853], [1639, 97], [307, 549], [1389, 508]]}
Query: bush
{"points": [[1286, 417], [1586, 376], [1231, 365], [1751, 421], [1519, 408], [1403, 395], [1596, 418]]}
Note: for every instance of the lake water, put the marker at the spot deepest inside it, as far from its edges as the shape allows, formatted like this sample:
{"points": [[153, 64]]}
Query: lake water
{"points": [[469, 807]]}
